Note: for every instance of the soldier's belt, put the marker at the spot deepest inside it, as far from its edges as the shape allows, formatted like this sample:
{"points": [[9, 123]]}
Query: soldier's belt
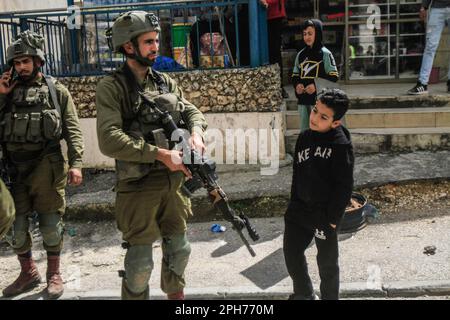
{"points": [[23, 156]]}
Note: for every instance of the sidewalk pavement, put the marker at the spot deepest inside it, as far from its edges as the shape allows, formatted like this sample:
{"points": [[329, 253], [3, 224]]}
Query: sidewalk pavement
{"points": [[382, 260], [385, 259], [392, 89]]}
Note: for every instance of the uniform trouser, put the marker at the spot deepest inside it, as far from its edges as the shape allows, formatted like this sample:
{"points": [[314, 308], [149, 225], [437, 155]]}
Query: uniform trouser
{"points": [[296, 240], [159, 210], [7, 209], [40, 187], [274, 29]]}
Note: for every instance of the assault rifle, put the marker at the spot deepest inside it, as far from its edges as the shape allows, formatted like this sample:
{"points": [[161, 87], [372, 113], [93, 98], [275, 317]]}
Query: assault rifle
{"points": [[204, 176]]}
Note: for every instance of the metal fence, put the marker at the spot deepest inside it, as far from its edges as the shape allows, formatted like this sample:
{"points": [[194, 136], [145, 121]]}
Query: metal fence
{"points": [[196, 34]]}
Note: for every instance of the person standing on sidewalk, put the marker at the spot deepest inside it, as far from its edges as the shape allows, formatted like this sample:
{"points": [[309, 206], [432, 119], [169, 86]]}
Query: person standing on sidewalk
{"points": [[149, 201], [438, 16], [276, 13], [36, 112], [312, 62], [322, 184]]}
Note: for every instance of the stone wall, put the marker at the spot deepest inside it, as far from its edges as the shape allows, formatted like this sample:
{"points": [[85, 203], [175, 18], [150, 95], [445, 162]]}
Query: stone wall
{"points": [[216, 91]]}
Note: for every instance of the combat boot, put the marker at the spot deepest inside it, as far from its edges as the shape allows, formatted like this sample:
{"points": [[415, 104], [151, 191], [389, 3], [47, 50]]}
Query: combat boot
{"points": [[28, 279], [55, 287], [176, 296]]}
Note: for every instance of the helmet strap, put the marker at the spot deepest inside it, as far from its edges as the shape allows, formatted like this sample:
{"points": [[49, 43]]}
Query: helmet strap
{"points": [[35, 72]]}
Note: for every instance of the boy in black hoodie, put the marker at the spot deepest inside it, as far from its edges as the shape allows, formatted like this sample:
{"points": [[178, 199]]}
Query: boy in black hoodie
{"points": [[312, 62], [322, 185]]}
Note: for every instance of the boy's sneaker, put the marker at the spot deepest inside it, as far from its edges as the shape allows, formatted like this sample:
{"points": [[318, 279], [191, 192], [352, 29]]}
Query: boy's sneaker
{"points": [[419, 89]]}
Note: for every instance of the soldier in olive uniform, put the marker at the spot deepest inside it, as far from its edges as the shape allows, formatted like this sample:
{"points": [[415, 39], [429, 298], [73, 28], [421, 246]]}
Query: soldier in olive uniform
{"points": [[149, 201], [7, 209], [36, 112]]}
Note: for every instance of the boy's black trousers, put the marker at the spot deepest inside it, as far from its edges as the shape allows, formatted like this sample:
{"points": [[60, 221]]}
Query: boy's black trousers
{"points": [[296, 240]]}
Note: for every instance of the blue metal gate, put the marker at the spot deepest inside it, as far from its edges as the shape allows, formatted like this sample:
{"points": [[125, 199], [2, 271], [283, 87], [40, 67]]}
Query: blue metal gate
{"points": [[217, 34]]}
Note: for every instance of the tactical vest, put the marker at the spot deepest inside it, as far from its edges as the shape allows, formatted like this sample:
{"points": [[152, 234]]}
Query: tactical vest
{"points": [[142, 122], [31, 117]]}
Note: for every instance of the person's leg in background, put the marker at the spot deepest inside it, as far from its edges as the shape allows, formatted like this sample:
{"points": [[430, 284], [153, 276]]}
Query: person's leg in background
{"points": [[304, 111], [448, 41], [434, 28], [274, 28]]}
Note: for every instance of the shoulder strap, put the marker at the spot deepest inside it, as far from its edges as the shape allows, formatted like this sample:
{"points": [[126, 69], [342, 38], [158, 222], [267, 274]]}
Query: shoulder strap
{"points": [[52, 89], [131, 79], [159, 80], [129, 85]]}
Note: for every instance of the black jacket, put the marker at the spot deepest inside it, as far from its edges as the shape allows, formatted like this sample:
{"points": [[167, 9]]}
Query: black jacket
{"points": [[322, 180], [311, 63]]}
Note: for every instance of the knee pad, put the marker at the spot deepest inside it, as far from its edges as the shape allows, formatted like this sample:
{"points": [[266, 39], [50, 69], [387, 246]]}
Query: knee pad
{"points": [[18, 234], [176, 250], [138, 267], [52, 228]]}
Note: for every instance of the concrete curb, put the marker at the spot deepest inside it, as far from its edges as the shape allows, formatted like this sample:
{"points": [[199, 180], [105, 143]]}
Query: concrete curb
{"points": [[417, 288], [405, 289]]}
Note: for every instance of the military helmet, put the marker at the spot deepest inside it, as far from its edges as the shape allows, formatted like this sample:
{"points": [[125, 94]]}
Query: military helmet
{"points": [[129, 25], [26, 43]]}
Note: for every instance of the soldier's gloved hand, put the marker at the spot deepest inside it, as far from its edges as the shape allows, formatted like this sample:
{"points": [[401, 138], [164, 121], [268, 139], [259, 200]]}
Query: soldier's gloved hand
{"points": [[196, 142], [5, 86], [74, 177], [173, 160]]}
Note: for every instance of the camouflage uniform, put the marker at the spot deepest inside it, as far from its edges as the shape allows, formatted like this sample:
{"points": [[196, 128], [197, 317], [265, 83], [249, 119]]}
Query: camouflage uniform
{"points": [[35, 116], [149, 202], [7, 210]]}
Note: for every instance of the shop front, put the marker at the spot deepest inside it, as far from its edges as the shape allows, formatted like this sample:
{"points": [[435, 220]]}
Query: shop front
{"points": [[371, 40]]}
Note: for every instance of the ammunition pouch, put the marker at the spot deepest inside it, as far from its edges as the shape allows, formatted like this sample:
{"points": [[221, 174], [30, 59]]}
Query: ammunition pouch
{"points": [[29, 117], [51, 124]]}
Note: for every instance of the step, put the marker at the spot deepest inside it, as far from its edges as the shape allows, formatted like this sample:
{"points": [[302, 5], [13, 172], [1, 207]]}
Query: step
{"points": [[385, 95], [387, 118], [372, 140], [402, 102]]}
